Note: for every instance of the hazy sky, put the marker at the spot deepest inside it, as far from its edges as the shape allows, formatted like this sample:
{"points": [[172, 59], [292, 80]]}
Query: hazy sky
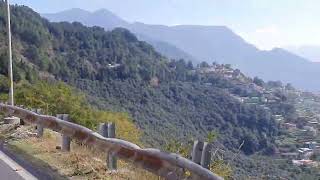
{"points": [[265, 23]]}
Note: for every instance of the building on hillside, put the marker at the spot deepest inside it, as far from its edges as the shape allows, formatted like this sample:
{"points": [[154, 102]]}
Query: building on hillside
{"points": [[290, 155], [289, 126], [278, 117], [263, 99], [305, 162], [313, 123], [240, 99], [228, 73], [273, 100], [253, 100], [207, 70], [236, 74], [112, 66], [154, 82], [311, 129], [304, 150], [311, 145]]}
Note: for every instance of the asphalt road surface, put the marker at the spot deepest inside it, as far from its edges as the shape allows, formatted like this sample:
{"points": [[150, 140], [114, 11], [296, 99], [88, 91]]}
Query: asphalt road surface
{"points": [[7, 173], [11, 170]]}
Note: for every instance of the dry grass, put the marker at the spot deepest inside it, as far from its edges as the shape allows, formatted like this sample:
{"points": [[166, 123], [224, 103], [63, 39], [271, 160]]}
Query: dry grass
{"points": [[81, 163]]}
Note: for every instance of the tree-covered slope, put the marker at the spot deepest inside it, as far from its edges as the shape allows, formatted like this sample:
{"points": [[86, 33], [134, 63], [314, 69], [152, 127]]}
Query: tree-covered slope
{"points": [[165, 98], [213, 43], [109, 21]]}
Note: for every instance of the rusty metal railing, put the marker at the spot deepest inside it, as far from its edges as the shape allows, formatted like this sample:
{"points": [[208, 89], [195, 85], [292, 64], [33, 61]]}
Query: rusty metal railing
{"points": [[167, 165]]}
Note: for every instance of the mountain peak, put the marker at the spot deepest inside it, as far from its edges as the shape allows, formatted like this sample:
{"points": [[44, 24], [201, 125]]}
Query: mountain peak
{"points": [[213, 43], [102, 17], [104, 12], [75, 11]]}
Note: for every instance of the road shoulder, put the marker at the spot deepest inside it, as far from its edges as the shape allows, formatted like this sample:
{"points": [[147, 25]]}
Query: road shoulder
{"points": [[16, 168]]}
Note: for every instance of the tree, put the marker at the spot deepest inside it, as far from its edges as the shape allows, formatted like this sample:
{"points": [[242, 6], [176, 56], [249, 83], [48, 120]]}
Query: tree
{"points": [[4, 84], [190, 65], [204, 64], [258, 81], [55, 98], [228, 66], [289, 86], [275, 84]]}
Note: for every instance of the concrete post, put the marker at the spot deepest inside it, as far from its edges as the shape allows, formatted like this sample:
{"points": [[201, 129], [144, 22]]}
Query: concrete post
{"points": [[197, 151], [206, 156], [21, 120], [39, 127], [66, 141], [112, 159], [103, 129]]}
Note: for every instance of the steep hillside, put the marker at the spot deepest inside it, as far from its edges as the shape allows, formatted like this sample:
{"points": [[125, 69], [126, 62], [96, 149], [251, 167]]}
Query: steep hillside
{"points": [[169, 101], [109, 21], [220, 44], [167, 49], [119, 72]]}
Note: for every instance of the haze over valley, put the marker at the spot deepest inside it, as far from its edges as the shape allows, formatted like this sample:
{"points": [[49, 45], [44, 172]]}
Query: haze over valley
{"points": [[211, 44], [225, 87]]}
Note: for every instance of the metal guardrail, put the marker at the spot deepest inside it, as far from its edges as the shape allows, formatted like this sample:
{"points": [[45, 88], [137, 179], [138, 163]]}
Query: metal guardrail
{"points": [[170, 166]]}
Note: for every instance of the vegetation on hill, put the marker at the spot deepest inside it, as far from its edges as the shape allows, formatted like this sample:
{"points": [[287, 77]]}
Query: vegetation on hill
{"points": [[58, 98], [209, 43], [166, 100]]}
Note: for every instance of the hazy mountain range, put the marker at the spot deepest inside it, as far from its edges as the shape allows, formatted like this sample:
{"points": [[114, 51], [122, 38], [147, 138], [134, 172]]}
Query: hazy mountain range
{"points": [[311, 52], [109, 21], [208, 43]]}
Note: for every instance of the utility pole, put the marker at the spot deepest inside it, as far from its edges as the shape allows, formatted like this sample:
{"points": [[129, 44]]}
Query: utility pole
{"points": [[10, 73]]}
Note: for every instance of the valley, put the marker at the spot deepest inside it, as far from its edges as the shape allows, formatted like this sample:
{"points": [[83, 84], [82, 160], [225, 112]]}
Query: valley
{"points": [[260, 128]]}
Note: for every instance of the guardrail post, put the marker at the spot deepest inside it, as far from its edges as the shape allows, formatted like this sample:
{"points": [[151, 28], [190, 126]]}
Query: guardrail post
{"points": [[66, 141], [197, 151], [206, 156], [112, 159], [103, 129], [39, 127], [152, 160], [21, 120]]}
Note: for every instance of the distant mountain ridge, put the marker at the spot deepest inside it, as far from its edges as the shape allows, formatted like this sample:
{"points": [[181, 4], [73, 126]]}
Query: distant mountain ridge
{"points": [[102, 17], [109, 21], [311, 52], [211, 44], [166, 99]]}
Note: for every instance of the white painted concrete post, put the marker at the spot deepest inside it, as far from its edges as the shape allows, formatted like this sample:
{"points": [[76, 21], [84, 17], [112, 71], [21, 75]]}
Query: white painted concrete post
{"points": [[112, 159], [197, 151], [66, 141], [206, 156], [39, 127], [103, 129]]}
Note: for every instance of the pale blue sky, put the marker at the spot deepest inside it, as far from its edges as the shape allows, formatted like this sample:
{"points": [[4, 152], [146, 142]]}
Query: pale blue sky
{"points": [[265, 23]]}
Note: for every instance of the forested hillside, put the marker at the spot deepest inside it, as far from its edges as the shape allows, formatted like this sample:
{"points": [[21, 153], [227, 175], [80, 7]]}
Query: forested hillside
{"points": [[121, 73], [208, 43], [167, 100]]}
